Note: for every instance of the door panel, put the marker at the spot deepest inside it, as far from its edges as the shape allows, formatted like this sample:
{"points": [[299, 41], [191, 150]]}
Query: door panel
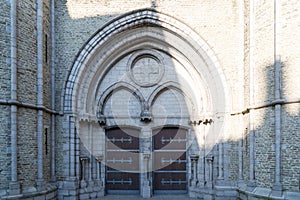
{"points": [[122, 181], [170, 139], [122, 139], [170, 181], [169, 157], [122, 161], [170, 161]]}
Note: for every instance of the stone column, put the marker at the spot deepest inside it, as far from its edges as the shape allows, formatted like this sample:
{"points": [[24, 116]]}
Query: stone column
{"points": [[72, 160], [52, 68], [83, 161], [241, 72], [90, 146], [194, 186], [146, 190], [210, 160], [252, 182], [241, 151], [99, 159], [40, 95], [194, 166], [14, 185], [221, 164], [277, 188], [72, 148], [99, 182]]}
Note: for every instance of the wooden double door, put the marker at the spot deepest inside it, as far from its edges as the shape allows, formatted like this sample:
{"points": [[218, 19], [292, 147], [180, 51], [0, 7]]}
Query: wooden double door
{"points": [[169, 161]]}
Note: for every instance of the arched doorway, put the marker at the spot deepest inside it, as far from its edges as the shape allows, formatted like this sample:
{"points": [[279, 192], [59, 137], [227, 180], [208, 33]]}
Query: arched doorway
{"points": [[150, 72]]}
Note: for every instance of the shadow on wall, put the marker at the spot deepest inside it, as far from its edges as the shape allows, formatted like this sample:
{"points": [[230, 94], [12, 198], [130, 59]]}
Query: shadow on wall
{"points": [[94, 69], [264, 138]]}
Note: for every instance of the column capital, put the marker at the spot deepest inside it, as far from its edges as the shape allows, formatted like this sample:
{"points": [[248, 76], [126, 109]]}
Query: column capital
{"points": [[194, 157], [99, 157], [83, 158], [146, 155], [210, 158]]}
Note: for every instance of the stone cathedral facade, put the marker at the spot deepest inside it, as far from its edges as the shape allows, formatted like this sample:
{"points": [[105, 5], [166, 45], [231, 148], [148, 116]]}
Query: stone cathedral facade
{"points": [[141, 97]]}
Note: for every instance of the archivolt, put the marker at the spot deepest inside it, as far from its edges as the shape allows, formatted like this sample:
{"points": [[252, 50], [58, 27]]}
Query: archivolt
{"points": [[125, 24]]}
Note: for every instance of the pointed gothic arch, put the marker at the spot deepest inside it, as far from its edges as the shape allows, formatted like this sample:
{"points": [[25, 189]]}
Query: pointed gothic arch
{"points": [[128, 25], [115, 87]]}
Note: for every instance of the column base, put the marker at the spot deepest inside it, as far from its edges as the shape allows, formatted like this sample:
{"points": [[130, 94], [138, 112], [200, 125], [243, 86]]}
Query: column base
{"points": [[53, 179], [220, 181], [83, 184], [146, 190], [193, 190], [99, 184], [242, 185], [194, 183], [40, 184], [14, 188], [69, 188], [251, 185], [277, 190]]}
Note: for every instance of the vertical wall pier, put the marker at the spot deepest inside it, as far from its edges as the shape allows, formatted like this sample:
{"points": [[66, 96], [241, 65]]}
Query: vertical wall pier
{"points": [[52, 68], [14, 186], [40, 100], [252, 182], [277, 187]]}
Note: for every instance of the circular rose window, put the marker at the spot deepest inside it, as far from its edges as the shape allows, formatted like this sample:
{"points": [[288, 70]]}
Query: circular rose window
{"points": [[146, 68]]}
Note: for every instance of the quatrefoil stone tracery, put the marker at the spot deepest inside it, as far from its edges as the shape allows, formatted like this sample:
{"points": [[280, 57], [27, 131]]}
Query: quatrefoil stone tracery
{"points": [[145, 68]]}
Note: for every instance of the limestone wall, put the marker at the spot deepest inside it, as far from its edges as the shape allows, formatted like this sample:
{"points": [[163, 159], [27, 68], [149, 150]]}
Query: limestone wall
{"points": [[243, 53], [5, 49], [263, 84], [46, 86], [289, 46], [4, 93], [263, 62], [26, 64], [27, 70]]}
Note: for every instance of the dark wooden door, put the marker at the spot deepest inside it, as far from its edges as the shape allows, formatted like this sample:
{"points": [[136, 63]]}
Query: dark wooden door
{"points": [[122, 161], [169, 145]]}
